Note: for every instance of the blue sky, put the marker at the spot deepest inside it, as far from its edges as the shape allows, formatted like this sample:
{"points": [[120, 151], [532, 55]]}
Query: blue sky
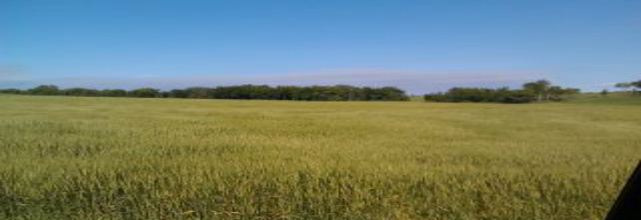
{"points": [[421, 46]]}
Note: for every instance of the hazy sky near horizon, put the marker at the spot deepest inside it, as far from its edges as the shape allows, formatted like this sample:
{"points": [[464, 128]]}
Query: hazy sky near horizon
{"points": [[421, 46]]}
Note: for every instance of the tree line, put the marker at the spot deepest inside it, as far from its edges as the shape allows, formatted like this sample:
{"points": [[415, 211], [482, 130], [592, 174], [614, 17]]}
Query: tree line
{"points": [[537, 91], [541, 90], [303, 93], [635, 86]]}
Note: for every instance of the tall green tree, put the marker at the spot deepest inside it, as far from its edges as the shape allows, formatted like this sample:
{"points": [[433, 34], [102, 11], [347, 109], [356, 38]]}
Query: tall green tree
{"points": [[145, 93], [45, 90], [80, 92], [114, 92], [11, 91], [199, 93], [545, 91], [627, 85], [539, 88], [624, 85]]}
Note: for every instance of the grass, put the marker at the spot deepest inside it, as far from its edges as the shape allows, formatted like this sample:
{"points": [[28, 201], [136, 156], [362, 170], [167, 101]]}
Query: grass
{"points": [[616, 98], [126, 158]]}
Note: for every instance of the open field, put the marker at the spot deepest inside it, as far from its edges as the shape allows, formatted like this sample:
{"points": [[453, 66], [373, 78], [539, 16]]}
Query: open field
{"points": [[127, 158], [617, 98]]}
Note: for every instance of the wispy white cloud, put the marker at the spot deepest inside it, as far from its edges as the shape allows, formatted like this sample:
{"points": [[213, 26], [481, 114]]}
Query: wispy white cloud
{"points": [[414, 81]]}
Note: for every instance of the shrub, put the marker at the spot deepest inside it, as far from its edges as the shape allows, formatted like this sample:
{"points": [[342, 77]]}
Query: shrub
{"points": [[502, 95]]}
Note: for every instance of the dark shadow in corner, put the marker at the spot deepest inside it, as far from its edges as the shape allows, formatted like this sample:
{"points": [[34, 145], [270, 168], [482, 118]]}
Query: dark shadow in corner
{"points": [[628, 205]]}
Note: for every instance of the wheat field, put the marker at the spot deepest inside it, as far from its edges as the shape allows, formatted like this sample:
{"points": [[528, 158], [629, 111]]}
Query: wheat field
{"points": [[171, 159]]}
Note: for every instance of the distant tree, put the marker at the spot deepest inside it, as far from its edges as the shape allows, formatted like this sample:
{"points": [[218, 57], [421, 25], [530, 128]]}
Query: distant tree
{"points": [[469, 94], [286, 92], [199, 93], [248, 91], [163, 94], [553, 93], [624, 85], [178, 93], [557, 93], [114, 92], [502, 95], [604, 92], [144, 93], [627, 85], [393, 94], [545, 91], [80, 92], [45, 90], [435, 97], [514, 96], [571, 91], [540, 88], [11, 91]]}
